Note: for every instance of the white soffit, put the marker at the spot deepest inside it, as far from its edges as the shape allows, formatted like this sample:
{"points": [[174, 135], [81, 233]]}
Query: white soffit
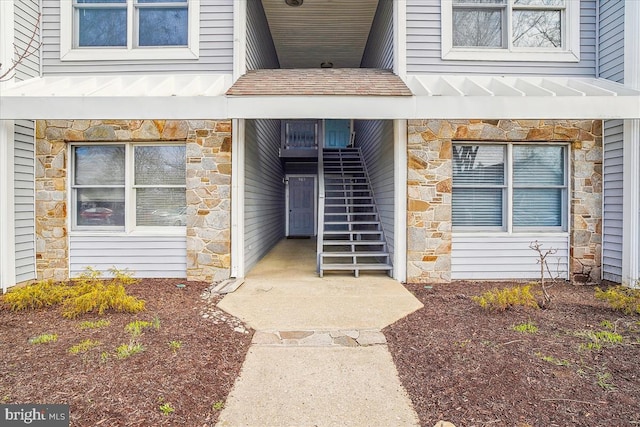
{"points": [[185, 96], [495, 97], [203, 97]]}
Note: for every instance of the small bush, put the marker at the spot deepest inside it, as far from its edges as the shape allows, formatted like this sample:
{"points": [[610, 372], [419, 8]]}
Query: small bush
{"points": [[43, 339], [89, 324], [88, 293], [42, 294], [621, 298], [136, 327], [125, 350], [503, 299], [598, 339], [528, 328], [83, 346], [99, 297], [167, 409]]}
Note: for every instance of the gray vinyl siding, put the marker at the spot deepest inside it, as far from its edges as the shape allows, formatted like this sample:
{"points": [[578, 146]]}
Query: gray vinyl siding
{"points": [[24, 199], [611, 40], [375, 139], [611, 66], [264, 203], [261, 52], [506, 257], [378, 52], [143, 256], [424, 47], [612, 201], [25, 21], [216, 46]]}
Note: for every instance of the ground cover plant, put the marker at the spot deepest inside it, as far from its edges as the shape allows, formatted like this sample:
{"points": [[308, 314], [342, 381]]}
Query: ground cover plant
{"points": [[165, 365], [480, 367]]}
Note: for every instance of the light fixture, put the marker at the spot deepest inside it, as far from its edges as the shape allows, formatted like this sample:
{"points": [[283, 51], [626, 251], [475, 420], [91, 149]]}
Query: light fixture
{"points": [[294, 3]]}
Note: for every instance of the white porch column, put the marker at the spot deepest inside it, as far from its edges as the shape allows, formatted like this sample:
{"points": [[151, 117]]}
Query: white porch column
{"points": [[631, 150], [237, 198], [7, 229]]}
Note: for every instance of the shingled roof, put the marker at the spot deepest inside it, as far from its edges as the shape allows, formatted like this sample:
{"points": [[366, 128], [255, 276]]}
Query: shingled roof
{"points": [[314, 81]]}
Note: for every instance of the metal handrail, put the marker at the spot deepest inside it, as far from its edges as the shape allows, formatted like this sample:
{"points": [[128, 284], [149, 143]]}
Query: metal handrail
{"points": [[320, 236]]}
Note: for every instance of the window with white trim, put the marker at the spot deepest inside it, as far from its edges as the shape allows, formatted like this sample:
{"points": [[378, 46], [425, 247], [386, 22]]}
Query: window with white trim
{"points": [[129, 29], [509, 187], [122, 187], [531, 30]]}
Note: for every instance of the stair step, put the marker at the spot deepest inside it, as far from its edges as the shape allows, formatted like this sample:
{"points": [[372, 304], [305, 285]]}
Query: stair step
{"points": [[352, 222], [351, 232], [359, 266], [353, 254]]}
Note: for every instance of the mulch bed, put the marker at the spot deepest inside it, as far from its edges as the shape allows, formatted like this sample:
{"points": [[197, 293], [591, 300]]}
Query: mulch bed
{"points": [[103, 389], [470, 367]]}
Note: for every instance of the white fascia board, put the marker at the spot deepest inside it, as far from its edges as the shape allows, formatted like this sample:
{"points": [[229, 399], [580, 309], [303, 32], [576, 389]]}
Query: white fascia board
{"points": [[116, 107], [529, 107], [320, 106]]}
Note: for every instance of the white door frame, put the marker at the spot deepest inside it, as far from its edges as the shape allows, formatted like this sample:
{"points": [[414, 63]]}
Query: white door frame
{"points": [[315, 199]]}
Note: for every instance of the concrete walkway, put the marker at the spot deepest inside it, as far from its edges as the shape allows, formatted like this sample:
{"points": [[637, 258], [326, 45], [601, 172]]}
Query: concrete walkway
{"points": [[318, 357]]}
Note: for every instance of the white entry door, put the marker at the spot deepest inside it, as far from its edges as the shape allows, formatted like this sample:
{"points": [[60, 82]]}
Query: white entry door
{"points": [[301, 204]]}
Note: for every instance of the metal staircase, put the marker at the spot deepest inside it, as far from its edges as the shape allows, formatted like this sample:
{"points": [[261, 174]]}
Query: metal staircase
{"points": [[350, 235]]}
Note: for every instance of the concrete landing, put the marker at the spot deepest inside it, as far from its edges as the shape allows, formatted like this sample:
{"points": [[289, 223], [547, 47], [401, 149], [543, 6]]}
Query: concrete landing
{"points": [[318, 386], [318, 357], [283, 292]]}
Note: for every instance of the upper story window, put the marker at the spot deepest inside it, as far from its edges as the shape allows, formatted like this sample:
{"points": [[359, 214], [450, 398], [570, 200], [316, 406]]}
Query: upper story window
{"points": [[129, 29], [511, 30]]}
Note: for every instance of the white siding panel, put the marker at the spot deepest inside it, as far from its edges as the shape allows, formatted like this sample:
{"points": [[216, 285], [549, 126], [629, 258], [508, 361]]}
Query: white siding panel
{"points": [[424, 48], [261, 52], [264, 204], [375, 139], [25, 21], [611, 40], [143, 256], [216, 46], [612, 201], [24, 200], [495, 257], [378, 52]]}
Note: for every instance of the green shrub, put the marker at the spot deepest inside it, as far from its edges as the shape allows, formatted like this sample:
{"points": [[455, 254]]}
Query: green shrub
{"points": [[99, 297], [528, 328], [94, 324], [83, 346], [503, 299], [43, 339], [621, 298], [42, 294], [125, 350], [87, 293]]}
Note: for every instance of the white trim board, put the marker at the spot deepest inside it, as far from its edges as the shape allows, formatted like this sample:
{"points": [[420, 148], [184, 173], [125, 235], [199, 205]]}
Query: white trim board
{"points": [[203, 97]]}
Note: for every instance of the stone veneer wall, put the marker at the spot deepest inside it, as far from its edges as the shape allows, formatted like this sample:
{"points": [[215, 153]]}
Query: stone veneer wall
{"points": [[208, 147], [430, 179]]}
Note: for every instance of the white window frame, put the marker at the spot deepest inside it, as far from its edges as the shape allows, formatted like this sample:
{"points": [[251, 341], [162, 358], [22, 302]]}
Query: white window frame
{"points": [[570, 51], [507, 204], [69, 52], [130, 227]]}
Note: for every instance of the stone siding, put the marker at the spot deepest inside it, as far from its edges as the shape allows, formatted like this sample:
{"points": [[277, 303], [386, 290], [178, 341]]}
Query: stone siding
{"points": [[208, 146], [430, 179]]}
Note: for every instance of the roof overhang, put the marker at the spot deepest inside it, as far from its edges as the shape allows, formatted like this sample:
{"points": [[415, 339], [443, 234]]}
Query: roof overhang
{"points": [[206, 97], [117, 97]]}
